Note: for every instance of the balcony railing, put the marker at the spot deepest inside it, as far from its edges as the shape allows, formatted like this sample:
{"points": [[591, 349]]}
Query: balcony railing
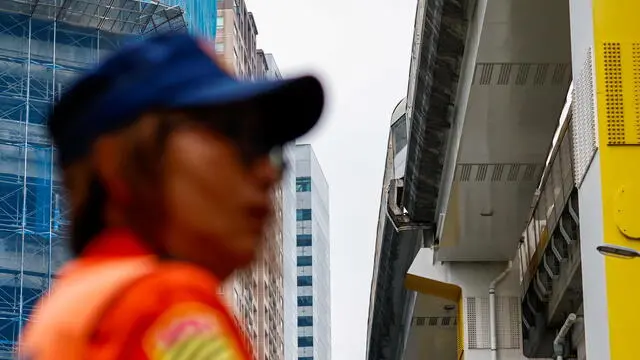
{"points": [[550, 198]]}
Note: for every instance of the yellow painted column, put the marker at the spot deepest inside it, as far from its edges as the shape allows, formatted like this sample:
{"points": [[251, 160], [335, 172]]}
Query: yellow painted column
{"points": [[616, 41], [443, 290]]}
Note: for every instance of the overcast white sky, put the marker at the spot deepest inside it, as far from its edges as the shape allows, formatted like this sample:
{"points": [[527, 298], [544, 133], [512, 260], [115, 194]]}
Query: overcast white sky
{"points": [[361, 49]]}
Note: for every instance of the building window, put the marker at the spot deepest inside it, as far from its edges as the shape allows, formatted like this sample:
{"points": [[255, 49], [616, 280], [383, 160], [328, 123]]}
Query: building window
{"points": [[303, 184], [305, 300], [219, 47], [304, 250], [303, 240], [306, 358], [305, 331], [305, 311], [305, 280], [304, 261], [304, 290], [303, 214], [304, 270], [399, 133], [305, 320], [220, 22], [305, 341]]}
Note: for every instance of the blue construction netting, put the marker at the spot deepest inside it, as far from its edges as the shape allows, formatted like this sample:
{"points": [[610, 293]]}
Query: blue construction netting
{"points": [[39, 58], [200, 15]]}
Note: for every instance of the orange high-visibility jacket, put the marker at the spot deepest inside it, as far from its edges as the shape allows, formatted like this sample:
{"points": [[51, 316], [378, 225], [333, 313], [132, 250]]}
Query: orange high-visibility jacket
{"points": [[124, 303]]}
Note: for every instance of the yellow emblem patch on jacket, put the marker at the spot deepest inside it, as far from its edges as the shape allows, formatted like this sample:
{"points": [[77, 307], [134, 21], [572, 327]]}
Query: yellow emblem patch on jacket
{"points": [[191, 331]]}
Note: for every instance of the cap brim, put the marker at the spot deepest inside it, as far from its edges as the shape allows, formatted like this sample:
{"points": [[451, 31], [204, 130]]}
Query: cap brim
{"points": [[292, 106]]}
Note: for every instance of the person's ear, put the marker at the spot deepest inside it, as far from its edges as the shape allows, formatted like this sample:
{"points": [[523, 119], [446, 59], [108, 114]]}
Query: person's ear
{"points": [[107, 159]]}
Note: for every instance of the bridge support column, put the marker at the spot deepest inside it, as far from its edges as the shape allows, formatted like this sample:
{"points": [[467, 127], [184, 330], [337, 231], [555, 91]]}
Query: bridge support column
{"points": [[461, 290], [606, 132]]}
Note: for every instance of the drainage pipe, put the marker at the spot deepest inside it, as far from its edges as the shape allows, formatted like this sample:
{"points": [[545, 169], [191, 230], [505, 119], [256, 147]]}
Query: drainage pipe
{"points": [[560, 340], [493, 331]]}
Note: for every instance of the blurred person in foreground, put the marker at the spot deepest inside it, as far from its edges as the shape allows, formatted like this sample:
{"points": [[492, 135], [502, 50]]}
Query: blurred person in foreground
{"points": [[169, 163]]}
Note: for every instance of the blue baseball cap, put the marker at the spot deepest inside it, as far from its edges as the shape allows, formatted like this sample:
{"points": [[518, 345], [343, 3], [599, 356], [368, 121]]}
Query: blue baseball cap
{"points": [[174, 71]]}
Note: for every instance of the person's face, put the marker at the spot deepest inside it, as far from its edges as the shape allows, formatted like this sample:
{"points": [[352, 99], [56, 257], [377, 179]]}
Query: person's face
{"points": [[217, 193]]}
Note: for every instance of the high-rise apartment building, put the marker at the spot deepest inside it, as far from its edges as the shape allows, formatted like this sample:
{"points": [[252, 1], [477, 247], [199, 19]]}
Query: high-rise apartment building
{"points": [[312, 250], [290, 290], [236, 38], [269, 269], [256, 294], [288, 193], [286, 205]]}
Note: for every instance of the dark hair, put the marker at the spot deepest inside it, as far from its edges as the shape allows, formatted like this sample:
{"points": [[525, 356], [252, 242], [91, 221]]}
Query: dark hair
{"points": [[90, 219]]}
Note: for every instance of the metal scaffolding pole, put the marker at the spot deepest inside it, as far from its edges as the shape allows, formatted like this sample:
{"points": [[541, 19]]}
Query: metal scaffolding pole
{"points": [[51, 157], [24, 182]]}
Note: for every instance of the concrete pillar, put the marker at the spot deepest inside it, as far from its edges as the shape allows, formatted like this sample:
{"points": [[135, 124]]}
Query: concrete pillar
{"points": [[466, 284]]}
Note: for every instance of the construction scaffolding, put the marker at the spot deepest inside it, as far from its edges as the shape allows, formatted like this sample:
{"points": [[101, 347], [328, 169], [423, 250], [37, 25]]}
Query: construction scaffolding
{"points": [[44, 45], [201, 16]]}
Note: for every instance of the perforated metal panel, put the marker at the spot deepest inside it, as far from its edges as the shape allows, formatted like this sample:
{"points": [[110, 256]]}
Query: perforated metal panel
{"points": [[507, 322], [614, 99], [520, 172], [521, 74], [635, 53], [477, 323], [583, 125], [431, 321]]}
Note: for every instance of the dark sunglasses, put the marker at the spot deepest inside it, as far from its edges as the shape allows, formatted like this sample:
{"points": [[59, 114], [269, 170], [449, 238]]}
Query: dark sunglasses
{"points": [[244, 128]]}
